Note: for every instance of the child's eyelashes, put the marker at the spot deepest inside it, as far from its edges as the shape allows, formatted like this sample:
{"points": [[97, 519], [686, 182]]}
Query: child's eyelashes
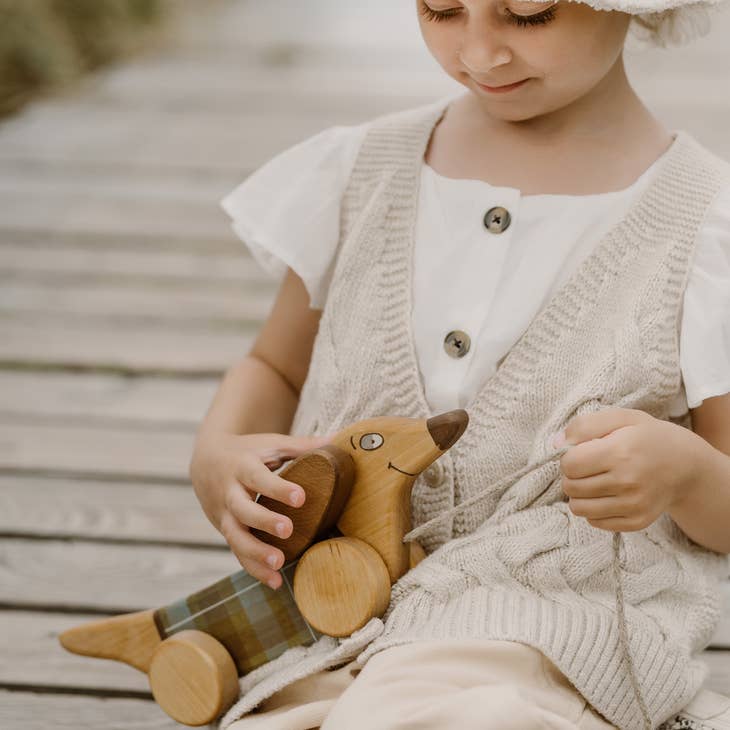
{"points": [[537, 19], [541, 18], [437, 16]]}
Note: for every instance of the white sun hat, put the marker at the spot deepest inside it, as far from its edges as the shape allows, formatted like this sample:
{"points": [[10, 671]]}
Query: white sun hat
{"points": [[663, 22]]}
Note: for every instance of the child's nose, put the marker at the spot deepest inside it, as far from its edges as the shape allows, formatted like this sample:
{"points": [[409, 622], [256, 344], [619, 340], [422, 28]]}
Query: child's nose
{"points": [[482, 49]]}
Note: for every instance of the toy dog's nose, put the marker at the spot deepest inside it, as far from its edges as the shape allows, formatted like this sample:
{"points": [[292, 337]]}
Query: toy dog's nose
{"points": [[446, 428]]}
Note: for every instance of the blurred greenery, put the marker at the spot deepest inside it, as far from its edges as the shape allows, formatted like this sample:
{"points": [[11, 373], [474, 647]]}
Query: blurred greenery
{"points": [[46, 43]]}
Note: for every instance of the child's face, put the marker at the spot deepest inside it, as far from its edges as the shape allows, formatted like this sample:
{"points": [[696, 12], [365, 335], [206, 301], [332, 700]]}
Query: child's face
{"points": [[563, 50]]}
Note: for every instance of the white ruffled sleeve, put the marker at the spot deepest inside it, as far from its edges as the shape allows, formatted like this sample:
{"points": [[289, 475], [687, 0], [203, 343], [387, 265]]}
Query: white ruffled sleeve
{"points": [[287, 212], [705, 333]]}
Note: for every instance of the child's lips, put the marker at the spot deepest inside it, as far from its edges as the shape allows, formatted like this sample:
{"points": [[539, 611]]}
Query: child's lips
{"points": [[504, 88]]}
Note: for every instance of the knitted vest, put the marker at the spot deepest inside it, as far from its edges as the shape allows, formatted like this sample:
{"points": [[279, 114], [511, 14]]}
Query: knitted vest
{"points": [[507, 559]]}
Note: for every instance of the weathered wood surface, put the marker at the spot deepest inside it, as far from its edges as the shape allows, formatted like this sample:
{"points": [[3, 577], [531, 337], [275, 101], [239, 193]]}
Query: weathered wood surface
{"points": [[120, 347], [63, 398], [38, 711], [124, 295], [102, 575], [101, 266], [131, 452], [123, 510]]}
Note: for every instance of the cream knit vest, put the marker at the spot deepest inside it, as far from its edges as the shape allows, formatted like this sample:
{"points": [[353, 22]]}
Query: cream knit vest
{"points": [[507, 558]]}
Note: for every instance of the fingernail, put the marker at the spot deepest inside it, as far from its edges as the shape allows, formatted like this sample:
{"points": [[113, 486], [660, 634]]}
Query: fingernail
{"points": [[271, 583], [271, 560], [295, 498], [281, 529], [559, 440]]}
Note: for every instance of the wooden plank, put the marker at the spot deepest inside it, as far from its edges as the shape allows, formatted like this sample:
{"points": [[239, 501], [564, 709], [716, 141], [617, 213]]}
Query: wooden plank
{"points": [[32, 656], [718, 679], [378, 26], [100, 179], [69, 397], [82, 576], [34, 711], [75, 130], [97, 451], [133, 349], [96, 240], [230, 273], [38, 506], [290, 89], [88, 213], [164, 187], [52, 507], [92, 301], [144, 138], [310, 85]]}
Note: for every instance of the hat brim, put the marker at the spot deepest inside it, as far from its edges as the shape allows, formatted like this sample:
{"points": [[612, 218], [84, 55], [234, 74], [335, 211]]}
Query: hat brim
{"points": [[640, 7]]}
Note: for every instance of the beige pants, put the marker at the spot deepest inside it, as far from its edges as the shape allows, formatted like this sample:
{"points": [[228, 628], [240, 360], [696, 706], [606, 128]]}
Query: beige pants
{"points": [[476, 684]]}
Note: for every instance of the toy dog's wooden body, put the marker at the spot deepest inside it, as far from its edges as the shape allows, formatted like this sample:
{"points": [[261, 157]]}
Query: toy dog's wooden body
{"points": [[349, 534]]}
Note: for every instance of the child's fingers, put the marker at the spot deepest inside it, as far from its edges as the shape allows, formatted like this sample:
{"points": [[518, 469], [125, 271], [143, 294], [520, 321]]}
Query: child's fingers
{"points": [[252, 514], [257, 477], [261, 573], [260, 560]]}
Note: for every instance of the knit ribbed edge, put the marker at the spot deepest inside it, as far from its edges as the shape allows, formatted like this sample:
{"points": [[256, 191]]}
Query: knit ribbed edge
{"points": [[561, 632], [705, 180], [394, 147]]}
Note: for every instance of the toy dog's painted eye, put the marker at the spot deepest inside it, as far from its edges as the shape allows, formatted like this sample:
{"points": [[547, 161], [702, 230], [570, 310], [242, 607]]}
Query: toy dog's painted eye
{"points": [[371, 441]]}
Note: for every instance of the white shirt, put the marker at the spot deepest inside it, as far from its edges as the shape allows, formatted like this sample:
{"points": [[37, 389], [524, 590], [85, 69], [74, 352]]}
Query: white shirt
{"points": [[489, 285]]}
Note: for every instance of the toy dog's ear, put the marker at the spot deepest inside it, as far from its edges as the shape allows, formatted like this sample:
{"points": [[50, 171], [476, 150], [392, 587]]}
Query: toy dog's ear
{"points": [[327, 475]]}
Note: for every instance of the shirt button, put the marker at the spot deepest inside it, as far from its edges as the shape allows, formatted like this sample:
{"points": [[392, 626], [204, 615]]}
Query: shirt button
{"points": [[434, 475], [497, 220], [457, 343]]}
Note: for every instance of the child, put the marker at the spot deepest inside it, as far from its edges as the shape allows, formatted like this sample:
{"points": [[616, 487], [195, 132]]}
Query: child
{"points": [[531, 250]]}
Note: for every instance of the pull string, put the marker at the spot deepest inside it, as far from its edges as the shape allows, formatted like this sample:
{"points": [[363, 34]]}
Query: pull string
{"points": [[623, 633], [516, 476], [616, 564]]}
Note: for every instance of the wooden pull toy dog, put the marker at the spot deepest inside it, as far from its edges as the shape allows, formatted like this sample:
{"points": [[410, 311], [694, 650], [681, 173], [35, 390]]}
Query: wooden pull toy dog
{"points": [[348, 538]]}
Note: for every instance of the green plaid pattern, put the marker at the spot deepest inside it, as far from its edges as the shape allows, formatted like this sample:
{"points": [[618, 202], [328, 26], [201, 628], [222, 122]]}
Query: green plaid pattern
{"points": [[255, 623]]}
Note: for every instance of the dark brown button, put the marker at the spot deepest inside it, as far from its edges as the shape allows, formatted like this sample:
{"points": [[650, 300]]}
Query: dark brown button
{"points": [[457, 343], [497, 220]]}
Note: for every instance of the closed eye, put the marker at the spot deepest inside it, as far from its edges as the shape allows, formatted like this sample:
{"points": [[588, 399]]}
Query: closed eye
{"points": [[540, 18]]}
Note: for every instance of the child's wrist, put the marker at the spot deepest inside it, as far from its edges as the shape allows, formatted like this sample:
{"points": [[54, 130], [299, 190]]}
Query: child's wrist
{"points": [[700, 466]]}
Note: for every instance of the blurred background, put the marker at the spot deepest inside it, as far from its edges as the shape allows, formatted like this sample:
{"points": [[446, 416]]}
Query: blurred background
{"points": [[46, 43], [125, 294]]}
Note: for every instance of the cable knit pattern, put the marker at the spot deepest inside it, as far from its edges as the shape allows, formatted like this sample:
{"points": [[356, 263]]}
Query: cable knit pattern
{"points": [[506, 557]]}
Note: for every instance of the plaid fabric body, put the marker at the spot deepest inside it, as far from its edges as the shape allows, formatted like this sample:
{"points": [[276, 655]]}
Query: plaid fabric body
{"points": [[255, 623]]}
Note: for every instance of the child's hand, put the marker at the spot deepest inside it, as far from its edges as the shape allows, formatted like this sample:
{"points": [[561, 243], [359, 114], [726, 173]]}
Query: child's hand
{"points": [[626, 467], [227, 471]]}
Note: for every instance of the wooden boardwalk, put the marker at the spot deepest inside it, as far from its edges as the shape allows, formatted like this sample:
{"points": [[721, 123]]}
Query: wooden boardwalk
{"points": [[125, 295]]}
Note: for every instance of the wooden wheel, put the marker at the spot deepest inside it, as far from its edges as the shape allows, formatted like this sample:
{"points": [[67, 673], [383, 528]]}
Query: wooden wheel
{"points": [[193, 677], [340, 584]]}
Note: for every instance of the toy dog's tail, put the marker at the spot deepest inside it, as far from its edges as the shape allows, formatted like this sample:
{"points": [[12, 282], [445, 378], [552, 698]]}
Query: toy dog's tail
{"points": [[131, 638]]}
